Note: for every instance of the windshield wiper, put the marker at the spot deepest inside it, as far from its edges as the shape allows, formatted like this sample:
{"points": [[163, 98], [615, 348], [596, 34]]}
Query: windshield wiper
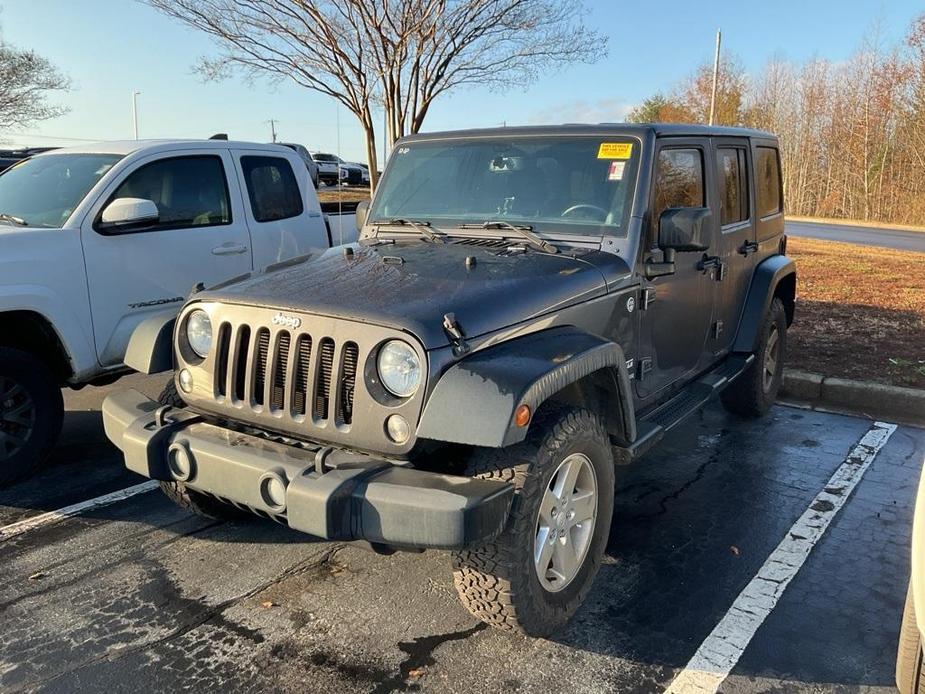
{"points": [[419, 226], [12, 219], [524, 230]]}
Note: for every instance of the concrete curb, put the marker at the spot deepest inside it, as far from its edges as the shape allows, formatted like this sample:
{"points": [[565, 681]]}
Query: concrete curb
{"points": [[874, 400]]}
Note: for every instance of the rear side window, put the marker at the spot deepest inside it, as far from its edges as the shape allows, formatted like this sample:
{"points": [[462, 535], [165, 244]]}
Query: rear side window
{"points": [[733, 193], [767, 173], [188, 191], [272, 188], [678, 180]]}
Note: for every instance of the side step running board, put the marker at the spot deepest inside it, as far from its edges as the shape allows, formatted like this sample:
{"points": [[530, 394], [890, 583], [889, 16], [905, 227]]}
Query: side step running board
{"points": [[655, 424]]}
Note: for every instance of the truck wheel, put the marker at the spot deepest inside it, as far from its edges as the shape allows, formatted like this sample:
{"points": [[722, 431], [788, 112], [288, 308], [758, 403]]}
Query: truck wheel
{"points": [[535, 574], [31, 413], [753, 393], [909, 676], [184, 497]]}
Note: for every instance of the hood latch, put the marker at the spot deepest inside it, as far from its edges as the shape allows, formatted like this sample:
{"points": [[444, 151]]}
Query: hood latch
{"points": [[455, 333]]}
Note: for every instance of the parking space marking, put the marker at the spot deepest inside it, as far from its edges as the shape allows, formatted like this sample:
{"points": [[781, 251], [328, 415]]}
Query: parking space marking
{"points": [[27, 524], [721, 650]]}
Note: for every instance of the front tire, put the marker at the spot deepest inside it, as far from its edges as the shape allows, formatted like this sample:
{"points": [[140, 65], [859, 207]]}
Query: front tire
{"points": [[753, 393], [31, 414], [533, 577]]}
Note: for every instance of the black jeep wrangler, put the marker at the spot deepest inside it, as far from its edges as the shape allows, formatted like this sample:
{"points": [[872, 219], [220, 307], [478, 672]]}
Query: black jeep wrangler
{"points": [[526, 308]]}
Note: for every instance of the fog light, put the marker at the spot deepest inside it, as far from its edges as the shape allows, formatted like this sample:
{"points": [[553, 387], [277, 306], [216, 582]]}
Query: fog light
{"points": [[180, 462], [186, 380], [273, 491], [398, 428]]}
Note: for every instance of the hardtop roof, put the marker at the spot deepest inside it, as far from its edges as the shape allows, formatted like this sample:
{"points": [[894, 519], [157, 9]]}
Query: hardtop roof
{"points": [[126, 147], [640, 130]]}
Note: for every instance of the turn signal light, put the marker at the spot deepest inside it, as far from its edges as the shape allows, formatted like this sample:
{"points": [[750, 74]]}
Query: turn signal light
{"points": [[522, 416]]}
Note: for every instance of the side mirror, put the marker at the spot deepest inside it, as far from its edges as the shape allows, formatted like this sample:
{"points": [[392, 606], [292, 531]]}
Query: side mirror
{"points": [[681, 229], [124, 212], [362, 212]]}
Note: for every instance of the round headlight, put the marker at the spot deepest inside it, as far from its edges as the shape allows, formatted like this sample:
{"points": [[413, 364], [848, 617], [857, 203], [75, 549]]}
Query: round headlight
{"points": [[399, 368], [199, 332]]}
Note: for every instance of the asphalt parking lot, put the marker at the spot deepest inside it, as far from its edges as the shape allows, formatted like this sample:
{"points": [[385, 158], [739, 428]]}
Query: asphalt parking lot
{"points": [[137, 595]]}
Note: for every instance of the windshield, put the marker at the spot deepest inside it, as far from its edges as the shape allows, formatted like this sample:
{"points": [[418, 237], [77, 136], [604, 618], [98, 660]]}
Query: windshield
{"points": [[579, 185], [44, 191]]}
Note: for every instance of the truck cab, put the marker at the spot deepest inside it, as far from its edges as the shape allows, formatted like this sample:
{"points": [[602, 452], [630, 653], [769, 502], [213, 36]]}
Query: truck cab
{"points": [[95, 239], [525, 309]]}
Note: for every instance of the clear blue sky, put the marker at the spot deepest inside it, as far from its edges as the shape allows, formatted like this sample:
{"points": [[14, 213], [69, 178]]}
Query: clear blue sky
{"points": [[110, 47]]}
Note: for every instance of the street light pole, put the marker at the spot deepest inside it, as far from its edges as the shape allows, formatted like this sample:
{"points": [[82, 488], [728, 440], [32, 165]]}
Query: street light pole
{"points": [[135, 111]]}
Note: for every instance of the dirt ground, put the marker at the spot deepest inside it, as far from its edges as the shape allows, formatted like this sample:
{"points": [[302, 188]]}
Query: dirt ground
{"points": [[343, 194], [860, 312]]}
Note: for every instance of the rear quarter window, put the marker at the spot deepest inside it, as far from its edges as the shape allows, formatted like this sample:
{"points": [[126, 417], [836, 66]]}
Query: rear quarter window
{"points": [[272, 188], [768, 183]]}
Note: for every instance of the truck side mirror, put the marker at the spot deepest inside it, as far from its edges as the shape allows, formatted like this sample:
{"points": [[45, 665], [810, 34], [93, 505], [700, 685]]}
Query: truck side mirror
{"points": [[681, 229], [126, 212], [362, 212]]}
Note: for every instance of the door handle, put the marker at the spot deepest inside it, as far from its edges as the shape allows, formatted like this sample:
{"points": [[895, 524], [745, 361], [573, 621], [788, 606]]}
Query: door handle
{"points": [[229, 249], [748, 247]]}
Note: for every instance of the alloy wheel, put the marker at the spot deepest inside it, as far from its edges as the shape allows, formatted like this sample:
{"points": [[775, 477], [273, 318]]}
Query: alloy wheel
{"points": [[565, 523], [17, 417]]}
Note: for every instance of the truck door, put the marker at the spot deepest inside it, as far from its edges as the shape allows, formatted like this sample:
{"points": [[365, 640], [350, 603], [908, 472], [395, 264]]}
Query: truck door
{"points": [[282, 209], [677, 309], [737, 247], [200, 236]]}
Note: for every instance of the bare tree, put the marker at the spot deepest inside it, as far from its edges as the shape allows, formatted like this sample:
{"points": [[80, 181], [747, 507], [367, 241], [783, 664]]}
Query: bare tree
{"points": [[398, 55], [26, 81]]}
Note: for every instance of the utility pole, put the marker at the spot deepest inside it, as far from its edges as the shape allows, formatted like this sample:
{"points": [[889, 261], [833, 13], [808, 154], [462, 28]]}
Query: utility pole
{"points": [[719, 38], [135, 111], [273, 123]]}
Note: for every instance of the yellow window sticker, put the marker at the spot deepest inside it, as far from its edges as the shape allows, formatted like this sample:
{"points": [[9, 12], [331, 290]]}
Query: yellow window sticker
{"points": [[615, 150]]}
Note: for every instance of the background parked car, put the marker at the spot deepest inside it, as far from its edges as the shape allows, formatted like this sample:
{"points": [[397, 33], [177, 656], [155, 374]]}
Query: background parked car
{"points": [[910, 677], [328, 167], [305, 156], [96, 239], [8, 157]]}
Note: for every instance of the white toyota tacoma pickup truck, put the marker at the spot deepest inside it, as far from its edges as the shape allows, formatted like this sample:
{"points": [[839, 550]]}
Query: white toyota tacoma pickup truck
{"points": [[95, 239]]}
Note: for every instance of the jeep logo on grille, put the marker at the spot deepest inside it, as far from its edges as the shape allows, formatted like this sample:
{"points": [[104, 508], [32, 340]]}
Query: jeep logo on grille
{"points": [[286, 321]]}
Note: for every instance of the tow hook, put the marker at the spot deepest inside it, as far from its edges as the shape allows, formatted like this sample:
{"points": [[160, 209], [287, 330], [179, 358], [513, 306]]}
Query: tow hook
{"points": [[455, 333]]}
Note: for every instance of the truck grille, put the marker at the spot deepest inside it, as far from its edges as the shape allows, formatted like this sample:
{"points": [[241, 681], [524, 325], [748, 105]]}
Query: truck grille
{"points": [[273, 371]]}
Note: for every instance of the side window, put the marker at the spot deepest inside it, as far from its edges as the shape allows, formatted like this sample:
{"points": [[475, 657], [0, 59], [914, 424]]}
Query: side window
{"points": [[767, 173], [272, 188], [678, 180], [733, 186], [188, 191]]}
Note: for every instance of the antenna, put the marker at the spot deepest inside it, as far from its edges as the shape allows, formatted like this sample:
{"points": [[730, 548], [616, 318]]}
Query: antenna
{"points": [[719, 38], [272, 123]]}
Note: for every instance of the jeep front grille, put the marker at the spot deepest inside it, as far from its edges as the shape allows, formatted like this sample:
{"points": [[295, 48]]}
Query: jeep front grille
{"points": [[259, 369]]}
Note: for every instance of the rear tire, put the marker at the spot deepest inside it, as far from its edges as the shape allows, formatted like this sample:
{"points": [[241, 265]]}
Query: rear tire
{"points": [[909, 677], [31, 414], [184, 497], [519, 581], [753, 393]]}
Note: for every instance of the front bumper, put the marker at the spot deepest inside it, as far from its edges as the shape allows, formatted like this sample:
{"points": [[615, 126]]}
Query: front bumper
{"points": [[329, 493]]}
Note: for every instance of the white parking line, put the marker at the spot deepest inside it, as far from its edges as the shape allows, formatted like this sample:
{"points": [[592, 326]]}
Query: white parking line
{"points": [[20, 527], [721, 650]]}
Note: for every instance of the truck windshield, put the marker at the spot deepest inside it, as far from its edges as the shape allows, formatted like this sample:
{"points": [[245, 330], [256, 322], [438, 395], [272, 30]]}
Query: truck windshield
{"points": [[574, 185], [43, 192]]}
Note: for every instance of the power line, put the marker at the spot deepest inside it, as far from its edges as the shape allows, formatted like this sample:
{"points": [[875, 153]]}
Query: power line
{"points": [[52, 137]]}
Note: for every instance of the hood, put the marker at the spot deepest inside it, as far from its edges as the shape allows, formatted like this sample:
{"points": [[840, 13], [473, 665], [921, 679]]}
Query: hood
{"points": [[410, 286]]}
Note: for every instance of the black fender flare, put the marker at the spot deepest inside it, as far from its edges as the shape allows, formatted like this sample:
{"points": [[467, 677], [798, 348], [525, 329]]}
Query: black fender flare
{"points": [[150, 348], [768, 275], [475, 399]]}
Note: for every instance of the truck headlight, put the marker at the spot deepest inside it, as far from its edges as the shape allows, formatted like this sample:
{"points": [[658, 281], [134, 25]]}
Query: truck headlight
{"points": [[399, 368], [199, 332]]}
